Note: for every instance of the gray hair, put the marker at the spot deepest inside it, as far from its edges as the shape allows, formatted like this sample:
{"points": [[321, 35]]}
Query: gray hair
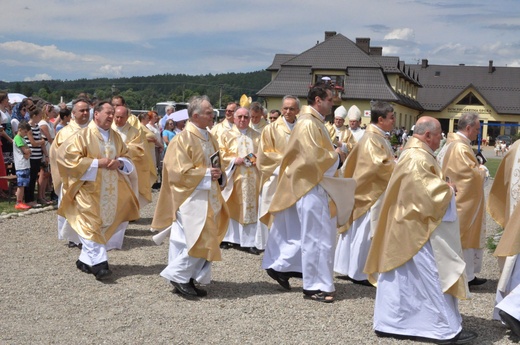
{"points": [[195, 104], [169, 107], [292, 97], [467, 119]]}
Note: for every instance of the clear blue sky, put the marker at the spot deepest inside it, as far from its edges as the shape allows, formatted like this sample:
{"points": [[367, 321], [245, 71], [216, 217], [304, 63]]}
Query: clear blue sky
{"points": [[72, 39]]}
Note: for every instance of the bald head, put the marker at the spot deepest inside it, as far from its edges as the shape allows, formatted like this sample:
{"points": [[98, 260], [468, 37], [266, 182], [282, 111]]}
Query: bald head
{"points": [[121, 115], [428, 130]]}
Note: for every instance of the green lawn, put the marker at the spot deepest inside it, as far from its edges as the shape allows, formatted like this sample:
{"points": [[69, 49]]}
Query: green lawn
{"points": [[492, 164]]}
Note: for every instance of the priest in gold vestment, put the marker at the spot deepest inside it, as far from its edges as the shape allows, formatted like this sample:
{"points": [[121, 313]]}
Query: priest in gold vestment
{"points": [[190, 202], [226, 124], [303, 233], [340, 135], [81, 117], [270, 152], [503, 207], [416, 248], [137, 152], [370, 164], [258, 122], [459, 163], [241, 192], [97, 198]]}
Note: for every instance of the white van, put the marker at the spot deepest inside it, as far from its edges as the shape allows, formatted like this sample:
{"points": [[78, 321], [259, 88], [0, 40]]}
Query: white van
{"points": [[160, 107]]}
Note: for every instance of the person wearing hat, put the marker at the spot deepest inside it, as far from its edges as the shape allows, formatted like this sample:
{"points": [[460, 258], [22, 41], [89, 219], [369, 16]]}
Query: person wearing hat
{"points": [[340, 135], [354, 122]]}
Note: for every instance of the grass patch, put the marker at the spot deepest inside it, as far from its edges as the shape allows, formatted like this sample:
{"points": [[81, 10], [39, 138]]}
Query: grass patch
{"points": [[492, 240], [492, 164]]}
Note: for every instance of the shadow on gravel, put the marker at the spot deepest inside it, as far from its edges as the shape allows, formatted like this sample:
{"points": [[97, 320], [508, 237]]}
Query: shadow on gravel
{"points": [[131, 243], [135, 232], [143, 221], [346, 291], [489, 331], [488, 287], [120, 271], [231, 290]]}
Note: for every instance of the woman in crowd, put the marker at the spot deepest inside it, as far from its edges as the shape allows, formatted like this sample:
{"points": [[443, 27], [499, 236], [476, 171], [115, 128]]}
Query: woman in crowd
{"points": [[48, 133], [38, 153], [168, 133]]}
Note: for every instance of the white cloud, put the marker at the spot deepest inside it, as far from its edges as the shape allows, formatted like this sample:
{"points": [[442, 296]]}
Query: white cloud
{"points": [[37, 51], [43, 76], [111, 71], [405, 34]]}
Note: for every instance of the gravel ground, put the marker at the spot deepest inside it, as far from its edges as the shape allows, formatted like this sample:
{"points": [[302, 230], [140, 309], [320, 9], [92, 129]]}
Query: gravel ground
{"points": [[46, 300]]}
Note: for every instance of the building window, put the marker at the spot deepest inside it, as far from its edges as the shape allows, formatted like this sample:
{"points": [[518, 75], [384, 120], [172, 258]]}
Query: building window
{"points": [[470, 99]]}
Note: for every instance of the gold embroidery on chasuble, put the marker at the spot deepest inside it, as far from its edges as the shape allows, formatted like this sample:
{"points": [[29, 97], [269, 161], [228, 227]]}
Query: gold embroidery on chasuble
{"points": [[109, 180], [248, 186], [214, 201]]}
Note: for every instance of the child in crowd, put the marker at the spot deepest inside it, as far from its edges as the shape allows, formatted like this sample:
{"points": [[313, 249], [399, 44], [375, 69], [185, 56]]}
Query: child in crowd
{"points": [[65, 117], [21, 153]]}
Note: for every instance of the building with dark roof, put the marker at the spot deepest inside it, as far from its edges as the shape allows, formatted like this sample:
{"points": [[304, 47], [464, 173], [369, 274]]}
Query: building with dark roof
{"points": [[492, 92], [360, 74]]}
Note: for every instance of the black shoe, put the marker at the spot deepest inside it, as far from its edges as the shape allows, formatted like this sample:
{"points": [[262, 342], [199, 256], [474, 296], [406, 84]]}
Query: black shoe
{"points": [[185, 289], [83, 267], [280, 278], [364, 282], [224, 245], [101, 270], [477, 281], [253, 250], [463, 337], [511, 322], [200, 292], [74, 245]]}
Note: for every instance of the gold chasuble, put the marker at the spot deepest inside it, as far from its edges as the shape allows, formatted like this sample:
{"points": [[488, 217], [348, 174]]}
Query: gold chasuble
{"points": [[137, 152], [308, 155], [204, 213], [95, 209], [459, 163], [221, 128], [273, 141], [259, 127], [342, 135], [503, 202], [414, 205], [242, 189], [65, 133], [370, 164]]}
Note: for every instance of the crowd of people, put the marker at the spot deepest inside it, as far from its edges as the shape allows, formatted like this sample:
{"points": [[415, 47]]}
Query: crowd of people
{"points": [[320, 201]]}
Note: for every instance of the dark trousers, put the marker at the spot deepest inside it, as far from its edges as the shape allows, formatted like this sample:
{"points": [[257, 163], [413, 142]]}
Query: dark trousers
{"points": [[29, 190]]}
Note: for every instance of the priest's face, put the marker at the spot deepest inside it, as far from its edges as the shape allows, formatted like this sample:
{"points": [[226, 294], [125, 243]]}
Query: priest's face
{"points": [[242, 118], [354, 124], [324, 106], [290, 109], [339, 121], [81, 112], [205, 117], [435, 138], [121, 115], [387, 124], [105, 116], [256, 116], [230, 110]]}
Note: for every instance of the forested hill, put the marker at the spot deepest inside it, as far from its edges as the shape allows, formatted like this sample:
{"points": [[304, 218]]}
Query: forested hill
{"points": [[144, 92]]}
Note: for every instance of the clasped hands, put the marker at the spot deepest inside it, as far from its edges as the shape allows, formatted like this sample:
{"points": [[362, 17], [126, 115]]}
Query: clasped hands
{"points": [[110, 164]]}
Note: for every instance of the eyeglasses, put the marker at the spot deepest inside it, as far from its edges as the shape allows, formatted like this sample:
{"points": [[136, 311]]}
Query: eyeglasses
{"points": [[229, 111], [243, 117], [273, 117]]}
